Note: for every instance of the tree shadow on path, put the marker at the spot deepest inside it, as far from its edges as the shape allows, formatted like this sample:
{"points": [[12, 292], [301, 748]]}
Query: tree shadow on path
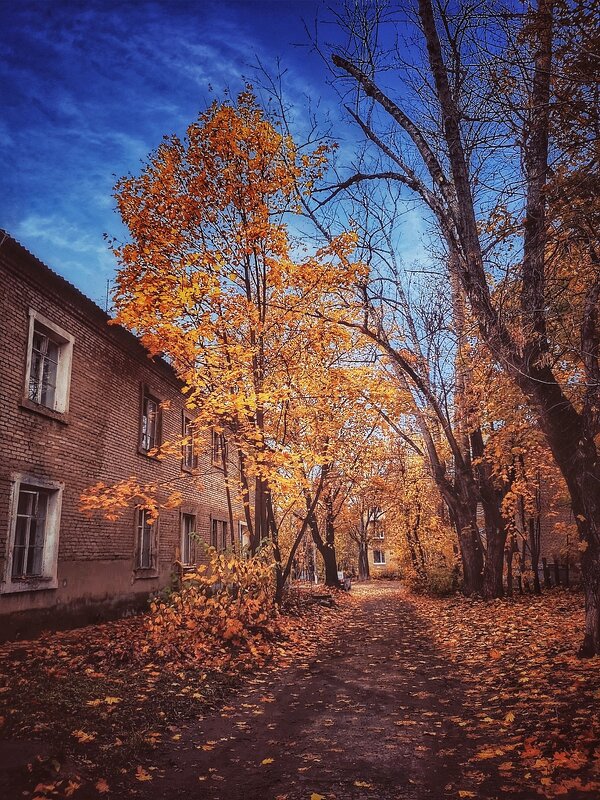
{"points": [[378, 714]]}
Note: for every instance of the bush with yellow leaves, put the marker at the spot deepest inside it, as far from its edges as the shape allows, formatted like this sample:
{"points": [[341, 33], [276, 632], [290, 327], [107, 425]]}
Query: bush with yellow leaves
{"points": [[225, 609]]}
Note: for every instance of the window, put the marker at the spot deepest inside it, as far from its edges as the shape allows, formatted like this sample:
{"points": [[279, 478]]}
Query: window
{"points": [[378, 532], [146, 540], [189, 458], [219, 449], [49, 355], [33, 534], [224, 540], [219, 534], [188, 541], [150, 423], [377, 523], [244, 539], [378, 557], [30, 530]]}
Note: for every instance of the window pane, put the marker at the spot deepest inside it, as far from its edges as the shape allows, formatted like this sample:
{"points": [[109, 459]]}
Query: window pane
{"points": [[47, 389], [44, 369], [39, 341], [20, 545], [35, 377], [52, 351], [214, 535], [30, 531], [26, 502], [188, 549], [33, 532], [149, 420], [225, 543], [188, 448], [145, 540]]}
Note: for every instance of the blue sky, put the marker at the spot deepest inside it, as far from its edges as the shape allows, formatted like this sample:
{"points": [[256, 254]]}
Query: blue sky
{"points": [[90, 87]]}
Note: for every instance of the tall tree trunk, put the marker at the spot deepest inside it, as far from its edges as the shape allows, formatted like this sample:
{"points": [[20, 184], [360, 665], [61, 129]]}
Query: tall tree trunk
{"points": [[534, 547], [493, 572], [570, 434], [469, 543], [508, 555], [495, 525], [461, 501], [415, 548], [364, 573], [326, 548], [260, 532]]}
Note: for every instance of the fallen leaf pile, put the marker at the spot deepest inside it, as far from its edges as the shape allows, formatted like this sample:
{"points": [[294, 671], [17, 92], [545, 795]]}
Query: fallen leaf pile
{"points": [[100, 698], [485, 700], [534, 702]]}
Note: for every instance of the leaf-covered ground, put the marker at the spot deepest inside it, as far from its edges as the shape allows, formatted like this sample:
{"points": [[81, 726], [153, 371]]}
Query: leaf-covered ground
{"points": [[386, 695]]}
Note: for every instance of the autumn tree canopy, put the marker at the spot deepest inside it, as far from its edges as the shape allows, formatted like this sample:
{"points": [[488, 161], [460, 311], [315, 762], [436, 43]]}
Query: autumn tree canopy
{"points": [[212, 279]]}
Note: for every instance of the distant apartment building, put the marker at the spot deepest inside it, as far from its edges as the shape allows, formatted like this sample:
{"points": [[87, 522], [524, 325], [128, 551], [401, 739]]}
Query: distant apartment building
{"points": [[81, 402], [381, 554]]}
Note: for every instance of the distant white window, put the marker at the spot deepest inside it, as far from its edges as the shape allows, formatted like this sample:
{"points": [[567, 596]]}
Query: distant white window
{"points": [[188, 540], [34, 523], [378, 557], [219, 449], [146, 540], [188, 451], [150, 422], [244, 539], [219, 535], [49, 357]]}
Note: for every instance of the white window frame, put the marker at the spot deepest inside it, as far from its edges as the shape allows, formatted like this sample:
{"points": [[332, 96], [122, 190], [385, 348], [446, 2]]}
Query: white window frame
{"points": [[150, 439], [65, 342], [189, 458], [48, 579], [152, 568], [382, 553], [243, 538], [219, 449], [192, 543]]}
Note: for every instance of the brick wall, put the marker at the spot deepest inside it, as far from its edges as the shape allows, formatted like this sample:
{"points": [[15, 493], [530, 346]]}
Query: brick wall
{"points": [[97, 440]]}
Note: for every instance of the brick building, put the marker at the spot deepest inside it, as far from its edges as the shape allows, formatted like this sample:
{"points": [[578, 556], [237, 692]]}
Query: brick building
{"points": [[81, 402], [382, 546]]}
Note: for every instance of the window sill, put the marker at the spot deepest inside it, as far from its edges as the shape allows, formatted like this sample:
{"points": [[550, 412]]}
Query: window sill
{"points": [[44, 411], [146, 454], [29, 584], [145, 573]]}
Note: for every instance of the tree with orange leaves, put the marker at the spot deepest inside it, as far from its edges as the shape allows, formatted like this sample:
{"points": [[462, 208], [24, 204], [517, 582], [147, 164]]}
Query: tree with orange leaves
{"points": [[212, 279]]}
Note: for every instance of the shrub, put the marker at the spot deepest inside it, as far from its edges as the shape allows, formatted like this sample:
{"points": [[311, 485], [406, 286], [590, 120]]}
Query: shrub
{"points": [[223, 610], [439, 580], [388, 573]]}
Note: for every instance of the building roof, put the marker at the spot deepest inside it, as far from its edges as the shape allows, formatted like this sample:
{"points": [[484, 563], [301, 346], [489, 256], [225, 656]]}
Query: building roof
{"points": [[15, 257]]}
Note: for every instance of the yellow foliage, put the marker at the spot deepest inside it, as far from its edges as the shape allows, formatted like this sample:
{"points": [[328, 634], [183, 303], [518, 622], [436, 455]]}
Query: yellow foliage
{"points": [[225, 607]]}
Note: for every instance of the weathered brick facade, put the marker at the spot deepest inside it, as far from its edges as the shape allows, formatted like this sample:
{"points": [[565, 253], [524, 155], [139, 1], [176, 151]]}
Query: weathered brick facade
{"points": [[96, 439]]}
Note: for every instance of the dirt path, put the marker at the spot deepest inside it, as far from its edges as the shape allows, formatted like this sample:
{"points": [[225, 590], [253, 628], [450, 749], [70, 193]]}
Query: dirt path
{"points": [[377, 715], [386, 695]]}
